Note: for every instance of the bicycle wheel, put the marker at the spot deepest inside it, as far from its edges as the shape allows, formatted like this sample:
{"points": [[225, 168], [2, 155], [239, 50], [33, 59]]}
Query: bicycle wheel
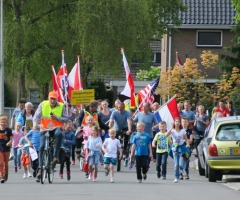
{"points": [[81, 159], [44, 167], [50, 168]]}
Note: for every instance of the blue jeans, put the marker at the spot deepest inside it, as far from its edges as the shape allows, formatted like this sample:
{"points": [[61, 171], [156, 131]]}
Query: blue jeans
{"points": [[17, 157], [177, 164], [161, 161], [185, 163], [58, 141]]}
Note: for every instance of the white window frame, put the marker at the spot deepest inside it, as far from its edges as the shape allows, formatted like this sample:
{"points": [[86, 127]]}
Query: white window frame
{"points": [[208, 31]]}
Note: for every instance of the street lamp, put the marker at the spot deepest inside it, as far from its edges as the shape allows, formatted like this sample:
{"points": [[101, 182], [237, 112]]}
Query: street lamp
{"points": [[1, 61]]}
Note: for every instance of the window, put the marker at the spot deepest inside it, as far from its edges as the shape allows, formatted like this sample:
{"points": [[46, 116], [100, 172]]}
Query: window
{"points": [[209, 39], [156, 58]]}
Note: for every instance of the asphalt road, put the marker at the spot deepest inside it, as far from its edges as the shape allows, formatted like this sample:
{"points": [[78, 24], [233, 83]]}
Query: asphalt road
{"points": [[124, 187]]}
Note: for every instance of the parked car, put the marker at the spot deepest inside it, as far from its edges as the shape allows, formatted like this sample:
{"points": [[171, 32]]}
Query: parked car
{"points": [[219, 151]]}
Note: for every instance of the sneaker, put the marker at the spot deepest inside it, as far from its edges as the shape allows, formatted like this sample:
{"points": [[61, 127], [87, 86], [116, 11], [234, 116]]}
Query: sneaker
{"points": [[29, 174], [73, 162], [181, 176], [139, 180], [111, 180], [61, 176], [144, 176], [164, 178], [15, 169], [94, 179], [86, 175], [5, 177], [175, 180], [2, 179], [68, 176], [34, 174], [107, 172], [187, 176], [90, 176], [19, 167], [24, 175], [158, 175], [37, 180]]}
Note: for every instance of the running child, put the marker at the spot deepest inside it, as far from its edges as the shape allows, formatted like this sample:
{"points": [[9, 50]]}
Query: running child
{"points": [[66, 149], [17, 135], [143, 150], [163, 143], [94, 146], [5, 147], [110, 147]]}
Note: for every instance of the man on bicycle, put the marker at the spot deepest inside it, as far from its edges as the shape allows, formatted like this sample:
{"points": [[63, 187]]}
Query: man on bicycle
{"points": [[121, 120], [51, 115]]}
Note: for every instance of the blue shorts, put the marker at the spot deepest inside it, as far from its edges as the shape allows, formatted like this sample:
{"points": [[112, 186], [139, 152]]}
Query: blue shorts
{"points": [[109, 160]]}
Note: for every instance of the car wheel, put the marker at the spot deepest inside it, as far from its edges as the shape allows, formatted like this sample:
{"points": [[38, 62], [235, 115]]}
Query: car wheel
{"points": [[219, 176], [206, 170], [212, 175], [200, 169]]}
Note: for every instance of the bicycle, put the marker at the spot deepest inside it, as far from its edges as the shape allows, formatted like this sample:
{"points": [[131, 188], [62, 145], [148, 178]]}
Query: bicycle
{"points": [[81, 157], [124, 141], [47, 158]]}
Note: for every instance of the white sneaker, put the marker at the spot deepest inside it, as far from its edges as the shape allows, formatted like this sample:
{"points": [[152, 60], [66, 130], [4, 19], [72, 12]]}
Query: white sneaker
{"points": [[175, 180], [24, 175], [29, 174], [111, 180], [90, 176]]}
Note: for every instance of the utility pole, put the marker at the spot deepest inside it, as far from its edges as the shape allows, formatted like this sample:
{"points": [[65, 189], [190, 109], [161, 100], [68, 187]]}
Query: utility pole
{"points": [[1, 61]]}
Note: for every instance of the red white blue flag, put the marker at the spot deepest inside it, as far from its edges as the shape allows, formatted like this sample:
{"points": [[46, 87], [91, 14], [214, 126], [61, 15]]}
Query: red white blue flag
{"points": [[168, 112], [62, 77], [147, 94]]}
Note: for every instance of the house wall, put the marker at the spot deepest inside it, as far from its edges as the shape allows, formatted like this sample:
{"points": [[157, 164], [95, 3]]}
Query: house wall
{"points": [[184, 42]]}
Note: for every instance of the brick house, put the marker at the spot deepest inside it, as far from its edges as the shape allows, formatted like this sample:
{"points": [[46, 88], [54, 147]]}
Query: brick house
{"points": [[206, 25]]}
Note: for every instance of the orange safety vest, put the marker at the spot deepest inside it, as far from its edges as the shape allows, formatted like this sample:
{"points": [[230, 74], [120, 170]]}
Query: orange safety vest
{"points": [[46, 121], [86, 114]]}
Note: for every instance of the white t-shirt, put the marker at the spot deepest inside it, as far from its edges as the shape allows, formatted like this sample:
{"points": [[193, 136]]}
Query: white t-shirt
{"points": [[111, 147], [177, 137]]}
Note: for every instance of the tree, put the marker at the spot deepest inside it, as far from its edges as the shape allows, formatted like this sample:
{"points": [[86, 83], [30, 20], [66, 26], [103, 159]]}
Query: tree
{"points": [[149, 74], [236, 4], [35, 32], [103, 27]]}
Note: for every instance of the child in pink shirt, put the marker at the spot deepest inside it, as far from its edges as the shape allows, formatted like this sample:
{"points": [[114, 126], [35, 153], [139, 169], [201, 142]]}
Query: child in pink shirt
{"points": [[17, 134]]}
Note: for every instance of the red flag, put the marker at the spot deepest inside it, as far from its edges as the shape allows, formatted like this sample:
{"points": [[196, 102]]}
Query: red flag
{"points": [[129, 87], [74, 79], [62, 78], [55, 85], [178, 61]]}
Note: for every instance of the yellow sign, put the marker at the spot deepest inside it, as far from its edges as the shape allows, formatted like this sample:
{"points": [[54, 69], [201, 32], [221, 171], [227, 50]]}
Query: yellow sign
{"points": [[82, 96]]}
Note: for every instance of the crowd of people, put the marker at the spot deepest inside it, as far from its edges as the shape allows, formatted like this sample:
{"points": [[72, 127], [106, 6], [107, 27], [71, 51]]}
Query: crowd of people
{"points": [[104, 135]]}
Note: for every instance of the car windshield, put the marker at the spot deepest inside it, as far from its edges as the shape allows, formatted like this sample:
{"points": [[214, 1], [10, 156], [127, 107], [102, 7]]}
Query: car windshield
{"points": [[230, 132]]}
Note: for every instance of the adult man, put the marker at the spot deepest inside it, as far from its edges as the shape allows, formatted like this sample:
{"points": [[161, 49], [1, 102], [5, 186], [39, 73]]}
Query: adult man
{"points": [[17, 111], [147, 118], [180, 108], [91, 109], [121, 120], [222, 109], [189, 114], [51, 115]]}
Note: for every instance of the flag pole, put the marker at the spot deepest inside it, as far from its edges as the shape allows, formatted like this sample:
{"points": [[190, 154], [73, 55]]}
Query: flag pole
{"points": [[81, 87]]}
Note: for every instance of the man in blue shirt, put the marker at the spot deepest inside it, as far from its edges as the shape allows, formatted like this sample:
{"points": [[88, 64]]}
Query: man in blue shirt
{"points": [[148, 119]]}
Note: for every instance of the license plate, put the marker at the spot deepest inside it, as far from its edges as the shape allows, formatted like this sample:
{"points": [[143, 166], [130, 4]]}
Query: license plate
{"points": [[235, 151]]}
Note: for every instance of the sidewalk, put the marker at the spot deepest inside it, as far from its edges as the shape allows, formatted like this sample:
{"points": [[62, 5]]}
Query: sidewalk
{"points": [[231, 181]]}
